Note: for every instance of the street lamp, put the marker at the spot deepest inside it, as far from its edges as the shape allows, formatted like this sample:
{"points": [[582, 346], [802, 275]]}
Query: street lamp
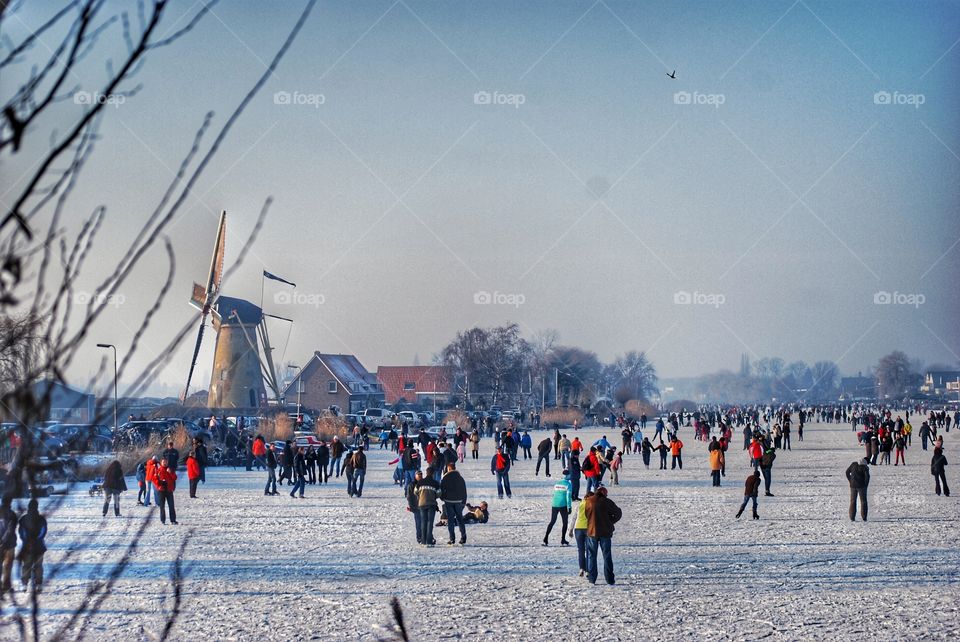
{"points": [[299, 387], [114, 348]]}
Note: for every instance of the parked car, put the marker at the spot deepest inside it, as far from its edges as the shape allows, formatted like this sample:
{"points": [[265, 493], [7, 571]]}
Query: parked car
{"points": [[377, 417], [135, 434], [410, 417], [87, 438]]}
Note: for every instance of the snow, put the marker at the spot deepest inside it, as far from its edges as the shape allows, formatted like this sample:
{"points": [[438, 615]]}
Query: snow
{"points": [[326, 567]]}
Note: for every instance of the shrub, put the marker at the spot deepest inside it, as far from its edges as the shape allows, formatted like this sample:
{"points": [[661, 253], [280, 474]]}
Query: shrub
{"points": [[562, 416]]}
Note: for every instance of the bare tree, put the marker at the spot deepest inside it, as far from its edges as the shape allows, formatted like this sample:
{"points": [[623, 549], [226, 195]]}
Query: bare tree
{"points": [[40, 261]]}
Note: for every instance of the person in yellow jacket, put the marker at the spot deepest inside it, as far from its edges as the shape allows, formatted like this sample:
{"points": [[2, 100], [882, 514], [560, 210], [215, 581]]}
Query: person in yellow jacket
{"points": [[579, 532], [716, 464]]}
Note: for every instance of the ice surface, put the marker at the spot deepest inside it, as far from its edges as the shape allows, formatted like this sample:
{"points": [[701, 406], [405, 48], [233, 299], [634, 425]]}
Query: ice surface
{"points": [[325, 567]]}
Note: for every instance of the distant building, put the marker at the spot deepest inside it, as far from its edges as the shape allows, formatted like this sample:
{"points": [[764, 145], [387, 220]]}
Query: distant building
{"points": [[858, 387], [940, 382], [335, 381], [415, 384], [67, 405]]}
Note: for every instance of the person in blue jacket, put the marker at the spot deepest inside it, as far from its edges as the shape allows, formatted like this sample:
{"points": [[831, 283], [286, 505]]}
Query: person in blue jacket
{"points": [[526, 442]]}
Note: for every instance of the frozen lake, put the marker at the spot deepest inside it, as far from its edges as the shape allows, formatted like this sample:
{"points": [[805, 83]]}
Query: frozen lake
{"points": [[325, 567]]}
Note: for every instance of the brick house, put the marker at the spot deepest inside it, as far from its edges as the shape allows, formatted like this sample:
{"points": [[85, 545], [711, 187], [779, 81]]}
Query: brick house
{"points": [[415, 384], [335, 381]]}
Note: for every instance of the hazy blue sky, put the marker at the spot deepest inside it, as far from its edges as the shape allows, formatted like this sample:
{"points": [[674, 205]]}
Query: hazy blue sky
{"points": [[788, 186]]}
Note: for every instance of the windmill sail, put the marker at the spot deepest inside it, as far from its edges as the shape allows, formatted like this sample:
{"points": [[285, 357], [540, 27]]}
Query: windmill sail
{"points": [[203, 297]]}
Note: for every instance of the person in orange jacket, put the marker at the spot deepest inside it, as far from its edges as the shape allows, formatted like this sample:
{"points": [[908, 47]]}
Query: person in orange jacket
{"points": [[676, 458], [165, 482], [716, 463], [151, 476], [576, 445], [193, 473]]}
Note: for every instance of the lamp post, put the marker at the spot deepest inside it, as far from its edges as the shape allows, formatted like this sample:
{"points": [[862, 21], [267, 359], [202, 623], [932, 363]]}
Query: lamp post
{"points": [[114, 348], [299, 387]]}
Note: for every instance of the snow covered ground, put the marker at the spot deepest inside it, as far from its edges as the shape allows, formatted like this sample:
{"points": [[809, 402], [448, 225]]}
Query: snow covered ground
{"points": [[325, 567]]}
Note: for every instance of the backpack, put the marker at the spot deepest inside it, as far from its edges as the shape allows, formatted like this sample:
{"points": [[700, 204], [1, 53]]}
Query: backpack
{"points": [[587, 465]]}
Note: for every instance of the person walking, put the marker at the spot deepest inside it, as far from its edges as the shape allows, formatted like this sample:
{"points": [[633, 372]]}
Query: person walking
{"points": [[33, 533], [938, 469], [141, 482], [601, 513], [270, 460], [573, 460], [359, 470], [766, 466], [453, 494], [151, 477], [615, 466], [579, 533], [561, 505], [526, 443], [858, 475], [716, 463], [113, 484], [500, 466], [413, 504], [475, 444], [193, 474], [751, 488], [427, 490], [676, 452], [8, 543], [165, 482], [311, 459], [646, 448], [591, 469], [323, 460], [543, 454], [299, 469], [336, 456]]}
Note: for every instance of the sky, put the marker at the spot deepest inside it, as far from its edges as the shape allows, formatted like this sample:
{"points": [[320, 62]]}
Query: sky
{"points": [[792, 192]]}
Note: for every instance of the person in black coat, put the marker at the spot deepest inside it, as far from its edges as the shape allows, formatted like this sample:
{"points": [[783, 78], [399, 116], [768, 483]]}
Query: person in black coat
{"points": [[311, 459], [200, 453], [33, 532], [113, 484], [271, 487], [286, 464], [574, 467], [172, 456], [323, 459], [938, 470], [299, 472], [453, 494], [8, 543], [543, 454]]}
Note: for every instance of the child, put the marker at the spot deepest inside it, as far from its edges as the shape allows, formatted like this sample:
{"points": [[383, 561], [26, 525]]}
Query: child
{"points": [[461, 452], [142, 482], [615, 467]]}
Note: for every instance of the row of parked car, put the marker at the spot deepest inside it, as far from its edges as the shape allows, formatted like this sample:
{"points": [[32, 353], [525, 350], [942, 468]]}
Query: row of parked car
{"points": [[55, 439]]}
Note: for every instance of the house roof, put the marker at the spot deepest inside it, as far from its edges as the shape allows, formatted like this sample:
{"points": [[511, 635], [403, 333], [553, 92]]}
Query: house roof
{"points": [[345, 368], [426, 379]]}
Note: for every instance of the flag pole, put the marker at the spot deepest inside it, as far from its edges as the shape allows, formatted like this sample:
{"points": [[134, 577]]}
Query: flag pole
{"points": [[262, 279]]}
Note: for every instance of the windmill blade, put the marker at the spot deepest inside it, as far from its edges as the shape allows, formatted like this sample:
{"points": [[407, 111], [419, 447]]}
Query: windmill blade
{"points": [[196, 353]]}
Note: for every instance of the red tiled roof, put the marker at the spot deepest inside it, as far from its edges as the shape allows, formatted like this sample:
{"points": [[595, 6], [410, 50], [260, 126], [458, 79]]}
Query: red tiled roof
{"points": [[425, 379]]}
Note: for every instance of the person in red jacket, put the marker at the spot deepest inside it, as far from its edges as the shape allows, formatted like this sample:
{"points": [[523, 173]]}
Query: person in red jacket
{"points": [[165, 481], [756, 453], [150, 478], [591, 469], [193, 473]]}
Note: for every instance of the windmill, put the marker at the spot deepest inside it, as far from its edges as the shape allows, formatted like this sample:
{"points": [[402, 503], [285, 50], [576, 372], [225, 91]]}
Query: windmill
{"points": [[239, 366]]}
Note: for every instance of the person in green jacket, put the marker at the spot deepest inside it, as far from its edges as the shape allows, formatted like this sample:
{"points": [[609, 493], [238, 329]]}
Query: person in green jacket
{"points": [[579, 532], [562, 504]]}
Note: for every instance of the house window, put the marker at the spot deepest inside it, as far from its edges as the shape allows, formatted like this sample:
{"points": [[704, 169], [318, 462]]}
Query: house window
{"points": [[332, 386], [409, 385]]}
